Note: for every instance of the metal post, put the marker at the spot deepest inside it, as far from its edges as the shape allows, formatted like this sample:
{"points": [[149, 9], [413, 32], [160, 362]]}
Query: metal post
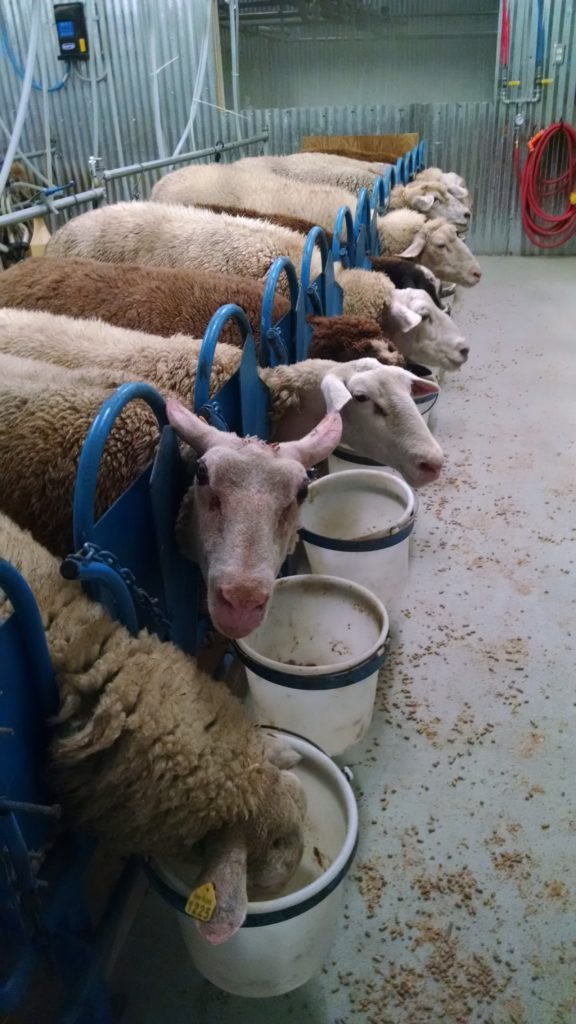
{"points": [[152, 165], [42, 209]]}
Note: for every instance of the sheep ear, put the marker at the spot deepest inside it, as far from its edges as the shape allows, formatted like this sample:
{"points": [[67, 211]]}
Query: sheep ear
{"points": [[225, 868], [315, 321], [415, 247], [106, 725], [336, 394], [198, 434], [318, 444], [420, 386], [424, 203], [279, 752]]}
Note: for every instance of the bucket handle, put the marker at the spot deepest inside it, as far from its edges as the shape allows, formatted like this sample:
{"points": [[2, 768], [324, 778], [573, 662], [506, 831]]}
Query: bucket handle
{"points": [[380, 194], [93, 447], [421, 155]]}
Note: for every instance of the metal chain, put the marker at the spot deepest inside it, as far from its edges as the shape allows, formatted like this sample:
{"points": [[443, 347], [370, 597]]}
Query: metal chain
{"points": [[148, 605]]}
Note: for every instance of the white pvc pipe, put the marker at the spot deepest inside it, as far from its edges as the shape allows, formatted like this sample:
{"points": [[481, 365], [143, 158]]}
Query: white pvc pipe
{"points": [[198, 83], [24, 98], [234, 34], [94, 81], [46, 115], [152, 70]]}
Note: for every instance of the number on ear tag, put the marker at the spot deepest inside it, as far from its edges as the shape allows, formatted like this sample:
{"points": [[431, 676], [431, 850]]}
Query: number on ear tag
{"points": [[201, 902]]}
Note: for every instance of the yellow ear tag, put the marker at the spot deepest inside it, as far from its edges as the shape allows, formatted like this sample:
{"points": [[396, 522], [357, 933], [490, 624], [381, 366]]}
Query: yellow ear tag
{"points": [[201, 902]]}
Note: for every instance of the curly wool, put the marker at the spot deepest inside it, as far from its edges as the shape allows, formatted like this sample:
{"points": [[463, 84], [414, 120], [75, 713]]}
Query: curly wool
{"points": [[147, 751], [235, 185], [402, 196], [298, 224], [158, 300], [165, 235], [365, 294]]}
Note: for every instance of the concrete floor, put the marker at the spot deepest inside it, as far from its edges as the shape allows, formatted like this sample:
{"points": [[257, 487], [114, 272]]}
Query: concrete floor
{"points": [[462, 904]]}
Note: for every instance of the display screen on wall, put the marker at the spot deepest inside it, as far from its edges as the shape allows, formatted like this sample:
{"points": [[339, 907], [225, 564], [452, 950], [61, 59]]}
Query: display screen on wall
{"points": [[301, 53]]}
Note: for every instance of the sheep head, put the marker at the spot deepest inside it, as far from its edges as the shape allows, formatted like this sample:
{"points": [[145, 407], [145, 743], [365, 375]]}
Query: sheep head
{"points": [[239, 519], [437, 246]]}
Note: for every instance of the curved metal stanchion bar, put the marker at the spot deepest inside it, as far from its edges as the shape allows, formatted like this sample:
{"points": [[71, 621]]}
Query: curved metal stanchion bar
{"points": [[401, 171], [31, 629], [273, 348], [421, 157], [211, 338], [340, 251], [93, 447]]}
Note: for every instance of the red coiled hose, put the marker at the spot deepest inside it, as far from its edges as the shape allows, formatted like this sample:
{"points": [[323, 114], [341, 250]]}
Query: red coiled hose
{"points": [[548, 230]]}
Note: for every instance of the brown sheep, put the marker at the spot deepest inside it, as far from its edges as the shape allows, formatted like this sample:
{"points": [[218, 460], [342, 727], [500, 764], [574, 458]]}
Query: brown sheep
{"points": [[343, 338], [158, 300], [298, 224]]}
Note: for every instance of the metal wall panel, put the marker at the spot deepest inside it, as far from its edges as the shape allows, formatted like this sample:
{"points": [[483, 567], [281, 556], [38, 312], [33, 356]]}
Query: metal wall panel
{"points": [[475, 138]]}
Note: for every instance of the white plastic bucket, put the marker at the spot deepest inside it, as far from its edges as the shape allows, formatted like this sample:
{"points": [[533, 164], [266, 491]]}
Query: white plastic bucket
{"points": [[284, 941], [312, 666], [357, 525]]}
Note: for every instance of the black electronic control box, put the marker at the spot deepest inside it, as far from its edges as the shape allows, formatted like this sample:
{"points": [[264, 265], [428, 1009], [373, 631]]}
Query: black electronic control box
{"points": [[71, 29]]}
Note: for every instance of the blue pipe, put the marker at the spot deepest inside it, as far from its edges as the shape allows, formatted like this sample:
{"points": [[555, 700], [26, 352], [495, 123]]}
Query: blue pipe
{"points": [[20, 70]]}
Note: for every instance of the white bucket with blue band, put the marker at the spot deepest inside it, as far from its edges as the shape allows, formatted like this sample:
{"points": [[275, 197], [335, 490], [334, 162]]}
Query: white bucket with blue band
{"points": [[357, 525], [284, 941], [312, 666]]}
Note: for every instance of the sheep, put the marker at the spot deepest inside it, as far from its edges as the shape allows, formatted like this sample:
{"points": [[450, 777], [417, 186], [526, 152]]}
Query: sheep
{"points": [[178, 236], [455, 183], [430, 197], [239, 528], [342, 338], [434, 243], [154, 756], [401, 439], [158, 300], [166, 235], [234, 186], [314, 169], [433, 199], [406, 274], [303, 227], [436, 341]]}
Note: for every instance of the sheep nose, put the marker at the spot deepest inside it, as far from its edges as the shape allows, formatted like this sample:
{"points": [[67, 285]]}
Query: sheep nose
{"points": [[477, 274], [464, 352], [431, 467], [251, 598], [467, 214]]}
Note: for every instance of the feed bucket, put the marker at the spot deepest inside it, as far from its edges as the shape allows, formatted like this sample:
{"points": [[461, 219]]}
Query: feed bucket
{"points": [[284, 940], [312, 665], [357, 525]]}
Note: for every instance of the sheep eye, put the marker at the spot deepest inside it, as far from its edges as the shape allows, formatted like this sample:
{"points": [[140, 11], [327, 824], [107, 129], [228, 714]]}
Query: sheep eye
{"points": [[302, 493], [425, 316], [202, 474], [440, 245], [361, 398]]}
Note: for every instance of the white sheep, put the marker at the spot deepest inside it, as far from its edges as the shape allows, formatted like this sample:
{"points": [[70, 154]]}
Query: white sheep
{"points": [[432, 198], [239, 517], [315, 168], [434, 243], [455, 183], [153, 755], [400, 438]]}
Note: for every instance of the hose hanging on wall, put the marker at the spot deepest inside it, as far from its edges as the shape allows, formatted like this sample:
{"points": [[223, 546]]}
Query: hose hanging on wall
{"points": [[548, 230]]}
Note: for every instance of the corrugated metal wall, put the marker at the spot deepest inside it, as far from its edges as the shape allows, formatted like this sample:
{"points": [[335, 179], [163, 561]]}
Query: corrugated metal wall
{"points": [[138, 36], [133, 38]]}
